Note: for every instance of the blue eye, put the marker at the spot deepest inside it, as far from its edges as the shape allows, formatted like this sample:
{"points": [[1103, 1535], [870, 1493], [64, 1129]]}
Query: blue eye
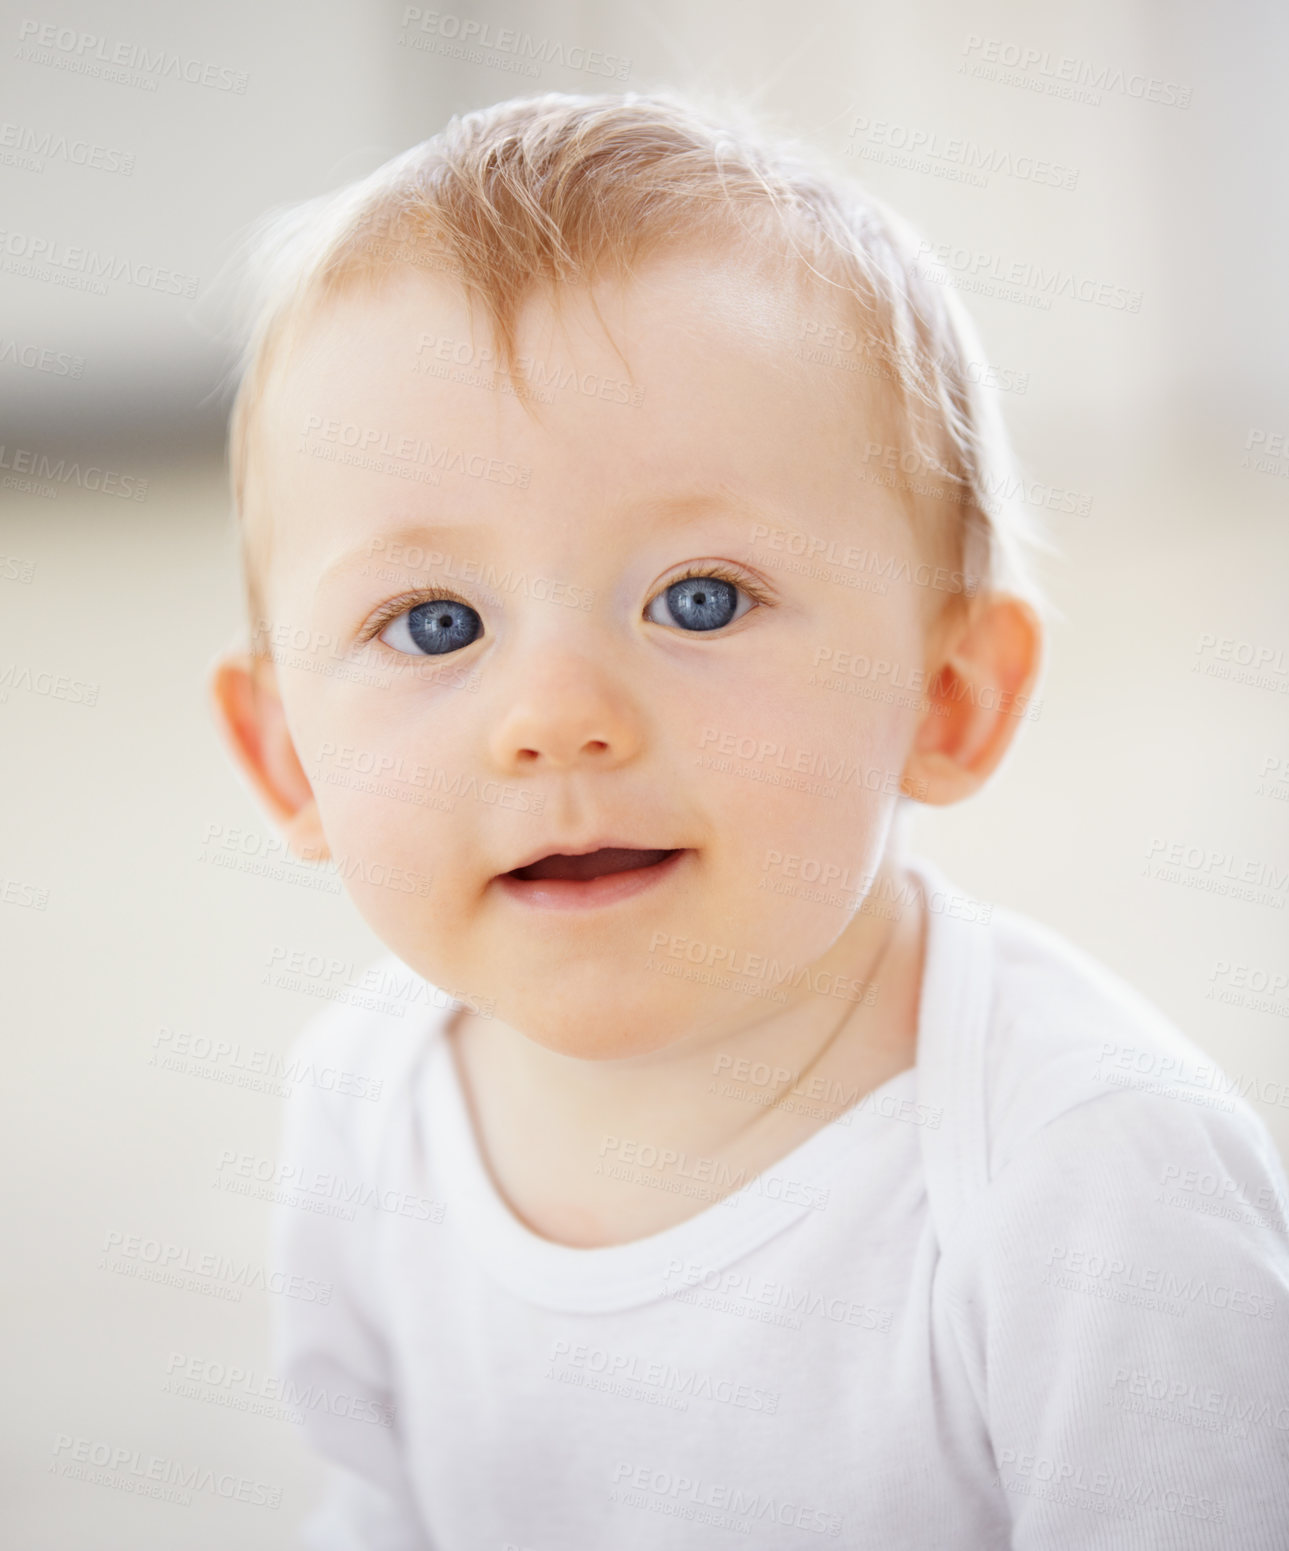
{"points": [[432, 629], [698, 603]]}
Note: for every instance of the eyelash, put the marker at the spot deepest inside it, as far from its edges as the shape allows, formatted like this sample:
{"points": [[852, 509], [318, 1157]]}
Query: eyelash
{"points": [[404, 602], [725, 573], [410, 600]]}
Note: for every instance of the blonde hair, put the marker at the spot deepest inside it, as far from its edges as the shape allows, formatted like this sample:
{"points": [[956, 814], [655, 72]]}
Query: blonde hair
{"points": [[558, 190]]}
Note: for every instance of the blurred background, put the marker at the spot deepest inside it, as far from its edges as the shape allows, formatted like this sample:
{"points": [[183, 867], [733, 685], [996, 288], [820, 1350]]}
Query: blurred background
{"points": [[142, 896]]}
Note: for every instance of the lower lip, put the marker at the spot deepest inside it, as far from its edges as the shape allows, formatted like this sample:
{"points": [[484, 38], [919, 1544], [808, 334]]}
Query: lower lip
{"points": [[572, 894]]}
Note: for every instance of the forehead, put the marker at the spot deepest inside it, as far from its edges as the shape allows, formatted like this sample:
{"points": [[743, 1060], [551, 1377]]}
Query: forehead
{"points": [[692, 375]]}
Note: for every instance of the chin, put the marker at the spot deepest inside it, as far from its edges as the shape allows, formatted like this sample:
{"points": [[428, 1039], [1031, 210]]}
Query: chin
{"points": [[607, 1026]]}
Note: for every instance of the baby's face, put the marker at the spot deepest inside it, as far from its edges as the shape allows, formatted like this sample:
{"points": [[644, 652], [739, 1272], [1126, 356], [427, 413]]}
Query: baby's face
{"points": [[488, 652]]}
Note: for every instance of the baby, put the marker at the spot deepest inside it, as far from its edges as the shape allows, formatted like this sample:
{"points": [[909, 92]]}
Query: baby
{"points": [[628, 545]]}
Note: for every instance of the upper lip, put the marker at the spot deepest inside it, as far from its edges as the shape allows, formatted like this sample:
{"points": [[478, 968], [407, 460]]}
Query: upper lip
{"points": [[571, 848]]}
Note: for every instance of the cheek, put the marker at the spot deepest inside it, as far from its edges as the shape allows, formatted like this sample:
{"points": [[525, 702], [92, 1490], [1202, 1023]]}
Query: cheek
{"points": [[803, 860], [805, 794], [812, 758], [388, 837], [383, 803], [397, 845], [369, 753]]}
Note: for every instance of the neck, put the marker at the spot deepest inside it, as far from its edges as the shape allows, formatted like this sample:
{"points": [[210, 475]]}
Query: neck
{"points": [[680, 1094]]}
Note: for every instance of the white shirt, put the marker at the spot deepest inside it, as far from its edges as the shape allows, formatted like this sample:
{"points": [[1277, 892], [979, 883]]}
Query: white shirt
{"points": [[1032, 1293]]}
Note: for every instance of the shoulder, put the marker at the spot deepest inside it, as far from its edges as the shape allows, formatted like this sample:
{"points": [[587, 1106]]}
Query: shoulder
{"points": [[1117, 1281], [1121, 1165], [1070, 1044], [352, 1067], [1080, 1123]]}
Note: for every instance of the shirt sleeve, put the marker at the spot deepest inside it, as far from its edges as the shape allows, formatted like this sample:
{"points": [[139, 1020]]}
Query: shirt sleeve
{"points": [[1120, 1291], [327, 1345]]}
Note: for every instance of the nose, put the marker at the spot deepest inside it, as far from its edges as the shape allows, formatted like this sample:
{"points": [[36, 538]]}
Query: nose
{"points": [[571, 714]]}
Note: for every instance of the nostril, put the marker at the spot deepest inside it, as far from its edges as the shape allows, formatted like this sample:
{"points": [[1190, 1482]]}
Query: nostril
{"points": [[594, 747]]}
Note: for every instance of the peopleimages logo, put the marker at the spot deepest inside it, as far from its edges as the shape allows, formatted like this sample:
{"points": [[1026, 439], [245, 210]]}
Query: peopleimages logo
{"points": [[1216, 871], [87, 53], [438, 459], [38, 467], [210, 1273], [975, 269], [21, 145], [267, 1394], [953, 157], [570, 1363], [42, 682], [1064, 75], [468, 36], [242, 1066], [690, 1497], [149, 1475], [40, 358], [81, 268]]}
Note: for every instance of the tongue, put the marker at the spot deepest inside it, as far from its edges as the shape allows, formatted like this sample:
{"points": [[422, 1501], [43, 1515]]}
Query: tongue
{"points": [[593, 865]]}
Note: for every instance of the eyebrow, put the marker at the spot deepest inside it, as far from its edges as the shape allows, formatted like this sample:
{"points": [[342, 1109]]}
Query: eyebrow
{"points": [[421, 536], [668, 510], [673, 509]]}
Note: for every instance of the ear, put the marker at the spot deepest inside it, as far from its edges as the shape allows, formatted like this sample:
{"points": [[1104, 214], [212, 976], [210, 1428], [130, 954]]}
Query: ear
{"points": [[252, 722], [978, 693]]}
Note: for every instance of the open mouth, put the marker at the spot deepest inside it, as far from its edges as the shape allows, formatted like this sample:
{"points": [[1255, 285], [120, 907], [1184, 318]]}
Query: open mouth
{"points": [[609, 876], [594, 864]]}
